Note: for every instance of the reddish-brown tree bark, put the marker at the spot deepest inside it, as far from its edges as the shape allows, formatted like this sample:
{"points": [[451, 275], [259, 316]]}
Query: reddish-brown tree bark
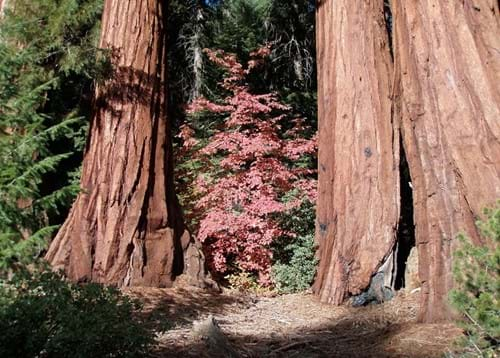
{"points": [[358, 205], [448, 74], [446, 99], [125, 227]]}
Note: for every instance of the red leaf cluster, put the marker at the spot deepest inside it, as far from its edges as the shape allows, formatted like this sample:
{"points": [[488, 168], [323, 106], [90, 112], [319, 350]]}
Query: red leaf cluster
{"points": [[241, 194]]}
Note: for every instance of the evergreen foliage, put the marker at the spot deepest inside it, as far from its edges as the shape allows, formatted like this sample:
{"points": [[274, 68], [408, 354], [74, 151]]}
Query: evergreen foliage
{"points": [[235, 26], [239, 26], [297, 273], [187, 36], [477, 274], [290, 31], [48, 62], [294, 258]]}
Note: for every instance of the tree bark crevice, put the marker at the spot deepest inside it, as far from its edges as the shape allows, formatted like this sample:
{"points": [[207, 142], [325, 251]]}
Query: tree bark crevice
{"points": [[449, 111]]}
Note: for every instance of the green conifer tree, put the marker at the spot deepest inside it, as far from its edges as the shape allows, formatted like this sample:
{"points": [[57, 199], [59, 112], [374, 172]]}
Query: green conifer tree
{"points": [[48, 62], [477, 295]]}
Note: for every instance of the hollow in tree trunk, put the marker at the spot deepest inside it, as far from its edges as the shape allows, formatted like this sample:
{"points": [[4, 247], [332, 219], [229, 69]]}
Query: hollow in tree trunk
{"points": [[125, 227], [358, 205], [448, 84]]}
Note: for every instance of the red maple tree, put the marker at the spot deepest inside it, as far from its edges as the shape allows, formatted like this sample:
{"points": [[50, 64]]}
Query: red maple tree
{"points": [[240, 193]]}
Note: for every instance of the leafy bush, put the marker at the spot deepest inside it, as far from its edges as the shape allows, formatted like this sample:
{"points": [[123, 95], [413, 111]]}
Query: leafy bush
{"points": [[257, 154], [294, 256], [298, 273], [476, 296], [42, 315]]}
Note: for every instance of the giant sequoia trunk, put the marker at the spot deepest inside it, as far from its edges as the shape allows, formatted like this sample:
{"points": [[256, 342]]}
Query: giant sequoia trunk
{"points": [[358, 206], [448, 85], [446, 98], [125, 227]]}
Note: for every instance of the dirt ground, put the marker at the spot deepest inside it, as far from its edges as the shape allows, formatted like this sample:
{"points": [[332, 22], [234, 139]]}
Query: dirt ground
{"points": [[295, 325]]}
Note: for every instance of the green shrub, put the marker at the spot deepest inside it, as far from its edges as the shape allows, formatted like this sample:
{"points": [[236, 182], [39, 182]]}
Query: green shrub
{"points": [[476, 296], [42, 315], [294, 257], [298, 273]]}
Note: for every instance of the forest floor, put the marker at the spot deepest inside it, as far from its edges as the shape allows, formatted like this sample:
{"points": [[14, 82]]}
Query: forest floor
{"points": [[295, 325]]}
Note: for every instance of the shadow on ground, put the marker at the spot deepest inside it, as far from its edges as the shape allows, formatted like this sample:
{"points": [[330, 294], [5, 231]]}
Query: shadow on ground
{"points": [[337, 340], [171, 308], [290, 326]]}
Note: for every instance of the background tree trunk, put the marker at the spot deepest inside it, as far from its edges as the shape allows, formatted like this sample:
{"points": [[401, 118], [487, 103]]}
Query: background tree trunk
{"points": [[125, 227], [3, 4], [448, 76], [358, 207]]}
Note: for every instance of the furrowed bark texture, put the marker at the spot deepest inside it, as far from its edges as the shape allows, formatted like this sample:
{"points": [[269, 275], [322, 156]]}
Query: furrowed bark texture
{"points": [[358, 206], [446, 99], [125, 228], [447, 57]]}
